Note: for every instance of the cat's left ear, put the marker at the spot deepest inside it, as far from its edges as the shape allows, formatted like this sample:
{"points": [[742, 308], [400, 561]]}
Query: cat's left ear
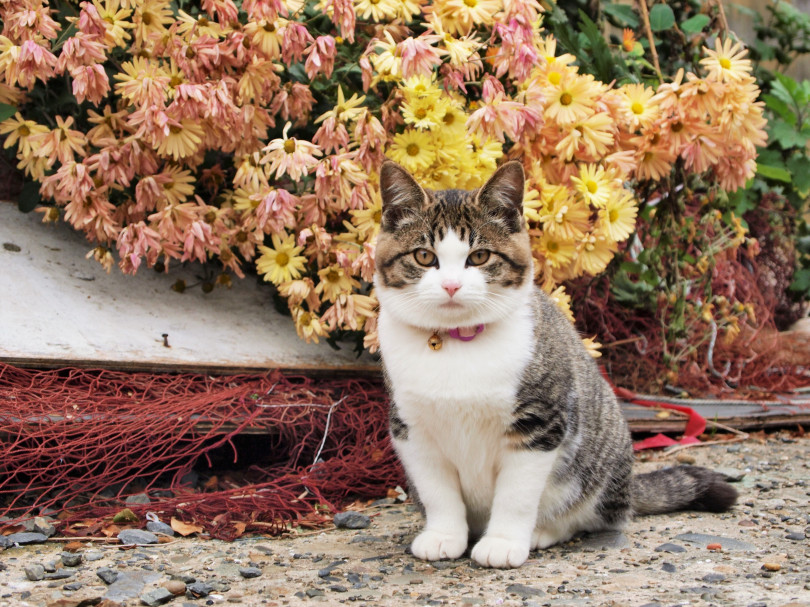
{"points": [[402, 197], [502, 195]]}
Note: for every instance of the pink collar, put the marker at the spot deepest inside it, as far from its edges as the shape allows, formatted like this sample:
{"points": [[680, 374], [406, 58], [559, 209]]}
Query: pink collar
{"points": [[456, 333]]}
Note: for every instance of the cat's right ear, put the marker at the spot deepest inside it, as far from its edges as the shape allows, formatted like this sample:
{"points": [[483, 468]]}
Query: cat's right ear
{"points": [[402, 197]]}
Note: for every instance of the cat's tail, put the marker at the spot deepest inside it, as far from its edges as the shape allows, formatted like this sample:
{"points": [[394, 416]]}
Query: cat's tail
{"points": [[681, 488]]}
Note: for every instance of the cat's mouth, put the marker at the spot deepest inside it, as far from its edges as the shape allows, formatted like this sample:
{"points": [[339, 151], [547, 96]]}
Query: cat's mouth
{"points": [[451, 305]]}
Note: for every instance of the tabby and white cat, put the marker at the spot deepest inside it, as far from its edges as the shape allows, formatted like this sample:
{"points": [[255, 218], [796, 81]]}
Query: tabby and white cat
{"points": [[508, 433]]}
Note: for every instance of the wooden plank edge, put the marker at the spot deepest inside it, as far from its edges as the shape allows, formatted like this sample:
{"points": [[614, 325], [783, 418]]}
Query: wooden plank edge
{"points": [[360, 370]]}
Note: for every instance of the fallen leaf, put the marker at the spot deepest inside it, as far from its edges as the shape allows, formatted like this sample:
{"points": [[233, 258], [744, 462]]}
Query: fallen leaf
{"points": [[73, 546], [125, 516], [185, 529], [240, 528], [111, 530]]}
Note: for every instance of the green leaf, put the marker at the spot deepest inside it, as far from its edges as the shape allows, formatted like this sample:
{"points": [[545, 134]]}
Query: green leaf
{"points": [[799, 167], [695, 24], [801, 281], [780, 108], [623, 14], [786, 135], [6, 111], [661, 18], [29, 197], [772, 172]]}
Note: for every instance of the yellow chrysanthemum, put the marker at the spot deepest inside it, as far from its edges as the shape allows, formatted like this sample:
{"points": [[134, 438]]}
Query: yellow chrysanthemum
{"points": [[592, 346], [335, 282], [114, 19], [281, 263], [594, 254], [594, 184], [573, 100], [367, 221], [557, 252], [563, 301], [640, 107], [184, 140], [727, 62], [377, 10], [422, 114], [618, 219], [345, 110], [18, 130], [308, 325], [413, 149]]}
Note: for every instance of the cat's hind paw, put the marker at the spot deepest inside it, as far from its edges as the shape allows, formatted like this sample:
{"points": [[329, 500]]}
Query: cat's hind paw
{"points": [[434, 545], [500, 552]]}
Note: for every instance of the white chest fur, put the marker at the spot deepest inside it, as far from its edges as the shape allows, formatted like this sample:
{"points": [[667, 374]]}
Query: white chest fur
{"points": [[459, 400]]}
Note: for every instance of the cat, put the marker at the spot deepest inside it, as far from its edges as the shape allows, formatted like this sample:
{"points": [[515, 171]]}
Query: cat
{"points": [[509, 435]]}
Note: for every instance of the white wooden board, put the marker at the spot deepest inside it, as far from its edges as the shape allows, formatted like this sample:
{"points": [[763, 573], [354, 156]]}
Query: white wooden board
{"points": [[56, 307]]}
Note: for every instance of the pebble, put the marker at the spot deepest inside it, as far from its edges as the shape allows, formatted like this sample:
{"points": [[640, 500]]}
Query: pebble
{"points": [[41, 525], [351, 520], [685, 458], [71, 559], [27, 537], [771, 566], [176, 587], [668, 567], [137, 536], [313, 592], [107, 575], [158, 527], [670, 548], [714, 546], [523, 591], [796, 537], [5, 542], [35, 572], [140, 498], [250, 572], [157, 596], [198, 589]]}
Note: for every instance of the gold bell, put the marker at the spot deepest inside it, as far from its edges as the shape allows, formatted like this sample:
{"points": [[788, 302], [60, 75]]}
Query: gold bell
{"points": [[435, 342]]}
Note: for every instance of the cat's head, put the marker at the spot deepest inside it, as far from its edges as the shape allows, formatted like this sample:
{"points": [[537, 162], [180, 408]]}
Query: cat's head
{"points": [[452, 258]]}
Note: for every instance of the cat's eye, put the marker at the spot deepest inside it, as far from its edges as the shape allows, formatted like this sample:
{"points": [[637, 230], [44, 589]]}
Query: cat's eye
{"points": [[478, 258], [424, 257]]}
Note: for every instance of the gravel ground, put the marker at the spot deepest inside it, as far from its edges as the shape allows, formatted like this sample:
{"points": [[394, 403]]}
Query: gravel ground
{"points": [[757, 554]]}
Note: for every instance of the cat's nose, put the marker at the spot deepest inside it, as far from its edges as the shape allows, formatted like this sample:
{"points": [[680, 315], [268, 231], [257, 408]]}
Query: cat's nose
{"points": [[451, 286]]}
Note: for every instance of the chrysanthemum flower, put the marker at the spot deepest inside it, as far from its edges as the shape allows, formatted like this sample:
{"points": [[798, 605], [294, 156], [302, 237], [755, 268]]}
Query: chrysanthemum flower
{"points": [[572, 100], [282, 262], [594, 254], [151, 20], [367, 220], [59, 144], [413, 149], [345, 110], [727, 62], [334, 282], [418, 55], [595, 184], [377, 10], [90, 82], [202, 25], [460, 16], [640, 107], [308, 325], [114, 19], [267, 36], [617, 219], [290, 156], [142, 81], [592, 136], [563, 301], [556, 251], [320, 57], [565, 218], [18, 130], [654, 162], [184, 139]]}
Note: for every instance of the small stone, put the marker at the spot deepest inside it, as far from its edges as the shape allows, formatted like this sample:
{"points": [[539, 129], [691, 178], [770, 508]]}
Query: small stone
{"points": [[713, 578], [71, 559], [685, 458], [27, 537], [35, 572], [5, 542], [250, 572], [198, 589], [93, 555], [796, 537], [176, 587], [523, 591], [140, 498], [40, 524], [158, 527], [158, 596], [137, 536], [72, 587], [771, 566], [714, 547], [338, 588], [668, 567], [351, 520], [59, 574], [313, 592], [107, 575], [670, 548]]}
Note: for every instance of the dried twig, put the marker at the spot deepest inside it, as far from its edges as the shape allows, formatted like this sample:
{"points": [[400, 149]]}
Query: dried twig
{"points": [[645, 16]]}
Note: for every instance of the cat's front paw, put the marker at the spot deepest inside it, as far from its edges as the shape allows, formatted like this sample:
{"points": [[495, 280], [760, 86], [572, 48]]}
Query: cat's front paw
{"points": [[434, 545], [500, 552]]}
